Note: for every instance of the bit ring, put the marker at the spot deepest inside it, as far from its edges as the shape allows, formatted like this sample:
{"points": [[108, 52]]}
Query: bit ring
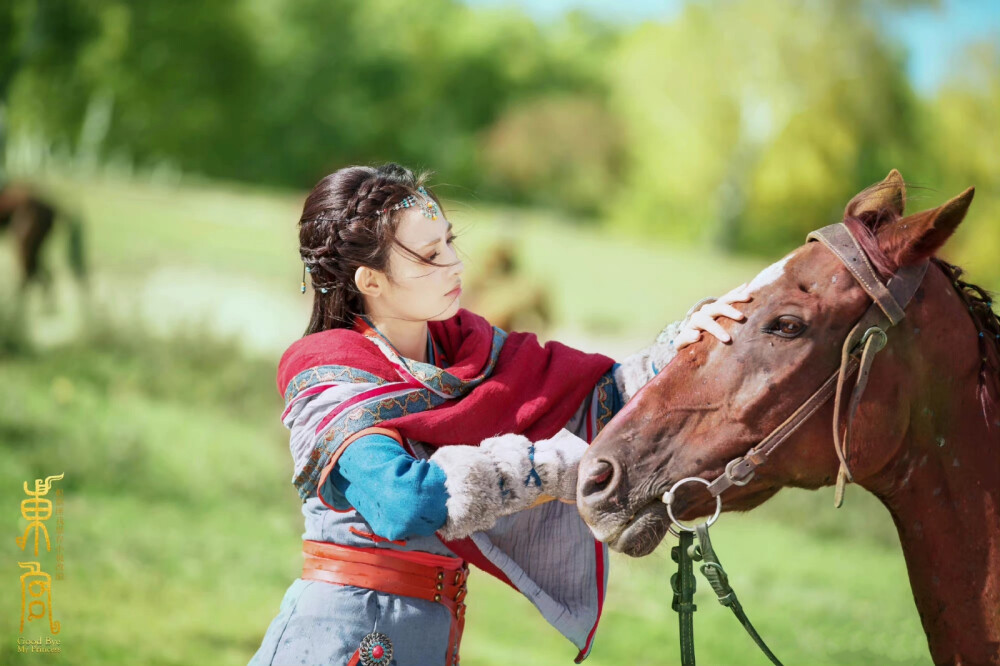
{"points": [[668, 498]]}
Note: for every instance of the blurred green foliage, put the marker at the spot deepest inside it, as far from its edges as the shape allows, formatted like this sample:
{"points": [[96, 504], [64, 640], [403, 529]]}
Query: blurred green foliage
{"points": [[738, 123]]}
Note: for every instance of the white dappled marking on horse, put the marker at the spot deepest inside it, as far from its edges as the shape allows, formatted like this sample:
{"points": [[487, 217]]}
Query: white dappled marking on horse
{"points": [[770, 274]]}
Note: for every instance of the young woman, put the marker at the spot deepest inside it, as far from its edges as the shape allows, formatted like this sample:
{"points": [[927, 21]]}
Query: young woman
{"points": [[424, 439]]}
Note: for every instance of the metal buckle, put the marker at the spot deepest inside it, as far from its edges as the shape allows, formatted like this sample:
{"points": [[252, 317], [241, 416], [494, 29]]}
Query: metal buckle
{"points": [[742, 481], [668, 498], [879, 344]]}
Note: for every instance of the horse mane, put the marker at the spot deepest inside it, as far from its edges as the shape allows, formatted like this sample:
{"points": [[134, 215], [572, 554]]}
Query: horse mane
{"points": [[980, 304], [865, 226]]}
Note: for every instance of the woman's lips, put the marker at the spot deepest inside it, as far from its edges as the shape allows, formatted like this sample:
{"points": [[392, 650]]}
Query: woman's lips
{"points": [[457, 291]]}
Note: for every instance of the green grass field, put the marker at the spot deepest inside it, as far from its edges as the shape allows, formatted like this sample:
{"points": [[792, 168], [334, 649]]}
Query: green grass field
{"points": [[182, 530]]}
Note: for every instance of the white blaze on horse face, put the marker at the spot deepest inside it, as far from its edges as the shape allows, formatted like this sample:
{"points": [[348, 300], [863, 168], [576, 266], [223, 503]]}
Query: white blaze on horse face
{"points": [[769, 274]]}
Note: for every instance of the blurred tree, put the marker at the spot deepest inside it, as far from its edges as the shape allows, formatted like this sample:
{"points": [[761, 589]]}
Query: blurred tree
{"points": [[352, 86], [282, 91], [749, 123], [184, 77], [560, 151], [39, 43], [158, 81], [962, 142]]}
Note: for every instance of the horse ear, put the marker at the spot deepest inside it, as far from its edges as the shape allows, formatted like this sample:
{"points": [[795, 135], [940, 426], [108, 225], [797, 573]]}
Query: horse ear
{"points": [[890, 194], [917, 237]]}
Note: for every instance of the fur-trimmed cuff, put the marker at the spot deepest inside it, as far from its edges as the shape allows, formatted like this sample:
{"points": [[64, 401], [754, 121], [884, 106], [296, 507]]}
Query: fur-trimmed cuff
{"points": [[557, 460], [485, 482]]}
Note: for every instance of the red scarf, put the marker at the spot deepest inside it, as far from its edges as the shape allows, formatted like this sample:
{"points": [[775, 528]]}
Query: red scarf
{"points": [[533, 389]]}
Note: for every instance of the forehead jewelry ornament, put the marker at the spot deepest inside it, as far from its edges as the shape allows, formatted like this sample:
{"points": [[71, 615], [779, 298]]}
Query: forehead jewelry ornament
{"points": [[429, 209]]}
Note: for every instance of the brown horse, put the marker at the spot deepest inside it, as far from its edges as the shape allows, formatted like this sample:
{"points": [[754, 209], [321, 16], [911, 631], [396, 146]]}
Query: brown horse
{"points": [[925, 437], [30, 218]]}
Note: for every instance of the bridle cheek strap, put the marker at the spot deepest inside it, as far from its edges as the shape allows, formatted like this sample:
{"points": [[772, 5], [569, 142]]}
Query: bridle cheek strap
{"points": [[874, 340], [865, 340]]}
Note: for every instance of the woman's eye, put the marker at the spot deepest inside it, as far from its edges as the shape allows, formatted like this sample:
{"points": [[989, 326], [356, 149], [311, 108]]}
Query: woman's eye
{"points": [[451, 239], [787, 326]]}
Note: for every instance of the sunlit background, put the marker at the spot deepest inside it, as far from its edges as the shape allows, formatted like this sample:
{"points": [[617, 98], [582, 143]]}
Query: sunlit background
{"points": [[606, 166]]}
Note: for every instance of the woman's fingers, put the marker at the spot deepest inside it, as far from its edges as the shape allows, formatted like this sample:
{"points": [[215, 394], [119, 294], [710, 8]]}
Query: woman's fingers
{"points": [[719, 309], [740, 294], [705, 322], [704, 318], [686, 337]]}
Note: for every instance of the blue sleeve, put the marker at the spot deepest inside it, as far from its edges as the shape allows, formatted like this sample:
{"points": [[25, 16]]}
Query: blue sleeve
{"points": [[616, 397], [398, 495]]}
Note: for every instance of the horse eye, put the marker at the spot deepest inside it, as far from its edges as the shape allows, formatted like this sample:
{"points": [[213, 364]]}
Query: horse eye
{"points": [[787, 326]]}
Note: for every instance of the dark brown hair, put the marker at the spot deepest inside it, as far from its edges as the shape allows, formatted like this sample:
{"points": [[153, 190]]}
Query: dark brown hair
{"points": [[345, 224]]}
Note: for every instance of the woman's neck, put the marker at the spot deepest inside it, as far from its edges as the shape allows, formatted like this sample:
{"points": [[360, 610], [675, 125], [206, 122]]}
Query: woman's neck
{"points": [[408, 337]]}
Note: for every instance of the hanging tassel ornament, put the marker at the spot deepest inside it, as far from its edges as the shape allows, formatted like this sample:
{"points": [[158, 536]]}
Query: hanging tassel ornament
{"points": [[305, 269]]}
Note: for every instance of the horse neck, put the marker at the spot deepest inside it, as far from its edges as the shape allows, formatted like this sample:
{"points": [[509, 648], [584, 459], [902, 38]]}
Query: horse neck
{"points": [[943, 487]]}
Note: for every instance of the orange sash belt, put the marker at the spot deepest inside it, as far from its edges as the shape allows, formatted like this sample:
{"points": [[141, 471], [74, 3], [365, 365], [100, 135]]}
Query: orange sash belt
{"points": [[441, 579]]}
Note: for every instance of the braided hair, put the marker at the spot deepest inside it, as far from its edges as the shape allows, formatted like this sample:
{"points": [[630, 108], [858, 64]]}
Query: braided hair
{"points": [[347, 222]]}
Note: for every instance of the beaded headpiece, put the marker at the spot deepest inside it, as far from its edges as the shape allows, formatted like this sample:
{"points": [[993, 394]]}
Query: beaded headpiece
{"points": [[429, 208]]}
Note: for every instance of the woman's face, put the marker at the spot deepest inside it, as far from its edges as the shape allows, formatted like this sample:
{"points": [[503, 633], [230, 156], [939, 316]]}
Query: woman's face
{"points": [[414, 291]]}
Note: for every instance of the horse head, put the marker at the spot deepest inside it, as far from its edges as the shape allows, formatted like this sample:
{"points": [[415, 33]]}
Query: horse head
{"points": [[714, 402]]}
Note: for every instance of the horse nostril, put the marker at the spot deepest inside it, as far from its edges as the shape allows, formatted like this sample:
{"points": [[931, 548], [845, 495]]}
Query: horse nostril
{"points": [[603, 472], [599, 478]]}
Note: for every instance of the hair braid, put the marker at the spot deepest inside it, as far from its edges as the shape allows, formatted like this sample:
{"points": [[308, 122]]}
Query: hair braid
{"points": [[346, 223]]}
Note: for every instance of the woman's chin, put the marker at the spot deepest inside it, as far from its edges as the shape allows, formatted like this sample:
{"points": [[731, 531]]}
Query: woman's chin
{"points": [[450, 312]]}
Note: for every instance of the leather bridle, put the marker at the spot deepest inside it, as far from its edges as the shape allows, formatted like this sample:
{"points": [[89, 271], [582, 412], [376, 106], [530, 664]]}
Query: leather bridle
{"points": [[866, 338]]}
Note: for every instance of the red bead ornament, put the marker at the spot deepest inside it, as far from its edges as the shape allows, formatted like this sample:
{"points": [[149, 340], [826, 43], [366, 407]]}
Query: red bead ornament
{"points": [[376, 650]]}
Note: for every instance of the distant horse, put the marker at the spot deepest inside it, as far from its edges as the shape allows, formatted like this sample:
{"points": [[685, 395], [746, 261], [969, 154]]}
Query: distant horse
{"points": [[505, 296], [30, 218], [924, 437]]}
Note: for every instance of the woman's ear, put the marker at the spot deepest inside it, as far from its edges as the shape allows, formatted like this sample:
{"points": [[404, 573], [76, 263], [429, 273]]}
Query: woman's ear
{"points": [[916, 237], [369, 281]]}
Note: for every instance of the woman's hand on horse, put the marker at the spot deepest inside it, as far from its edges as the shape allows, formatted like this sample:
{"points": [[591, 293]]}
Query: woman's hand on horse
{"points": [[704, 318]]}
